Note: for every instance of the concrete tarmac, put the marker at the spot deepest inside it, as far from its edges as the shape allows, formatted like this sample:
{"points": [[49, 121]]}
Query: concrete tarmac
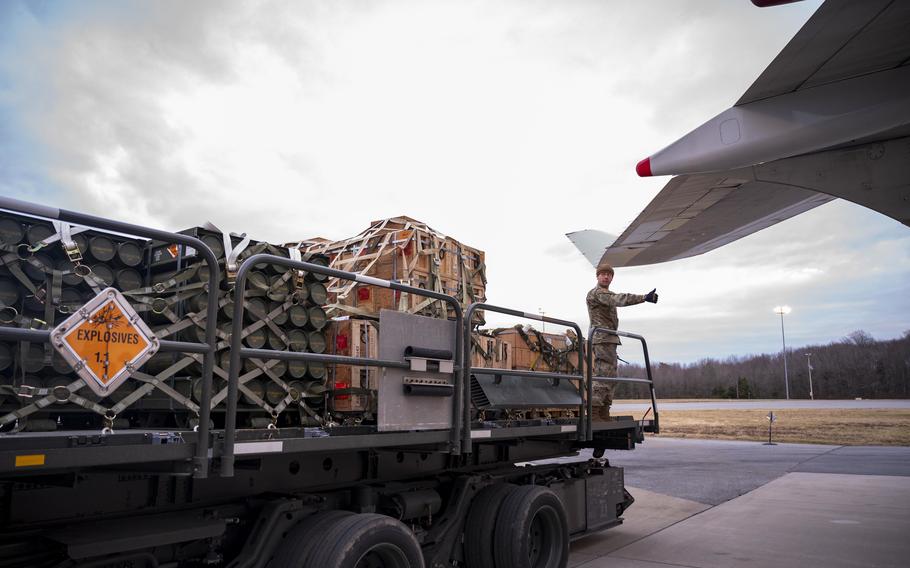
{"points": [[774, 404], [708, 503]]}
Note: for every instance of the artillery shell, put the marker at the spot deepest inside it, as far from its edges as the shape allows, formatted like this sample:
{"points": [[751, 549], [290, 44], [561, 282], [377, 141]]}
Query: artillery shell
{"points": [[297, 340], [316, 341], [298, 316], [104, 273], [102, 248], [128, 279], [316, 370], [318, 293], [317, 318], [9, 292], [281, 317], [34, 272], [297, 369], [38, 232], [129, 253], [11, 232]]}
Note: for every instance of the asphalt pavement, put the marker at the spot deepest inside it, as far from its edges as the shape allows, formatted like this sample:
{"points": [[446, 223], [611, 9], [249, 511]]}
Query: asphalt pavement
{"points": [[718, 504], [770, 404]]}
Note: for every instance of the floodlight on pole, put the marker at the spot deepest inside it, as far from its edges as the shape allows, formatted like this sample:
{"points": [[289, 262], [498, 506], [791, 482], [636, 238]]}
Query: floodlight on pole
{"points": [[782, 310]]}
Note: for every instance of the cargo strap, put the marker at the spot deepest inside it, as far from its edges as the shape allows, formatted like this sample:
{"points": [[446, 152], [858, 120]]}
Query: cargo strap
{"points": [[64, 232], [241, 381], [267, 320], [261, 368], [299, 275], [273, 293], [48, 398], [332, 308], [159, 305], [192, 319], [166, 286], [555, 358], [157, 382], [9, 314], [345, 289], [95, 283], [153, 382], [232, 254], [478, 347], [13, 259]]}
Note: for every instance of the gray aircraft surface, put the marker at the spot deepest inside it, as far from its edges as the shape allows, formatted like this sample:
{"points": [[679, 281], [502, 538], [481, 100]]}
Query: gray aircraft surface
{"points": [[829, 118]]}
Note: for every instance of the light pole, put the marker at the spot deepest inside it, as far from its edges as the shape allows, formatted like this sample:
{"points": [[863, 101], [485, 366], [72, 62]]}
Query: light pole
{"points": [[809, 364], [783, 338]]}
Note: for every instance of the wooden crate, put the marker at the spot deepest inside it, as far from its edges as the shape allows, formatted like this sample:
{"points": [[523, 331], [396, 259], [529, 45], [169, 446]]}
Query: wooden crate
{"points": [[406, 250], [489, 351], [354, 338], [526, 353]]}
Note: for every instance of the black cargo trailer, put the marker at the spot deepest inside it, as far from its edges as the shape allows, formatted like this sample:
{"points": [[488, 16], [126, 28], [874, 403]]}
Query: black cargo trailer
{"points": [[219, 453]]}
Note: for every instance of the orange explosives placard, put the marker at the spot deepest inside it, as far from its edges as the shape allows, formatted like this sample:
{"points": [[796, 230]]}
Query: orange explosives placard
{"points": [[105, 341]]}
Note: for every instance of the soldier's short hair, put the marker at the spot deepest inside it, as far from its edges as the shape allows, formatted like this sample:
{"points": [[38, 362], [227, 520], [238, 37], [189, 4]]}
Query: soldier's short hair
{"points": [[605, 268]]}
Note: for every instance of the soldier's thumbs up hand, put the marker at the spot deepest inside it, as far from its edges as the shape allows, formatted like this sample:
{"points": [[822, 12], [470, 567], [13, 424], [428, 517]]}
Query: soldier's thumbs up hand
{"points": [[651, 296]]}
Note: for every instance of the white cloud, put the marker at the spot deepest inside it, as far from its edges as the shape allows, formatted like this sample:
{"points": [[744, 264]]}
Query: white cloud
{"points": [[505, 124]]}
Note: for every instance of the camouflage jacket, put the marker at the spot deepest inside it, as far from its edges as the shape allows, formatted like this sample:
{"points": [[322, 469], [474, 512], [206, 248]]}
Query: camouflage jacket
{"points": [[602, 304]]}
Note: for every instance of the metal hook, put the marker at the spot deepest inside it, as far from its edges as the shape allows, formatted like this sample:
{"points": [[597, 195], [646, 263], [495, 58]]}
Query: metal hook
{"points": [[28, 251], [5, 316], [82, 270], [159, 305]]}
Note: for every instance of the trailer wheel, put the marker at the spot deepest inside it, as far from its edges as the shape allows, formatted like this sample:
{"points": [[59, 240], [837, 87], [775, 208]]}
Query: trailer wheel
{"points": [[299, 542], [532, 530], [367, 540], [480, 524]]}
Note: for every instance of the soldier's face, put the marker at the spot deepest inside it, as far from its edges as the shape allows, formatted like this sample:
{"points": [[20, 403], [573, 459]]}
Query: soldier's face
{"points": [[604, 279]]}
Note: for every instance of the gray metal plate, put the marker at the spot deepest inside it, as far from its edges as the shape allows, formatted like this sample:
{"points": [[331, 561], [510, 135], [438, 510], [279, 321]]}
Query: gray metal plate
{"points": [[398, 411], [522, 392]]}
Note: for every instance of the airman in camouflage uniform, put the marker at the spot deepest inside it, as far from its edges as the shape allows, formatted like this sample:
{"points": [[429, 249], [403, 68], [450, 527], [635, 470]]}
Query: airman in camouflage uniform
{"points": [[602, 304]]}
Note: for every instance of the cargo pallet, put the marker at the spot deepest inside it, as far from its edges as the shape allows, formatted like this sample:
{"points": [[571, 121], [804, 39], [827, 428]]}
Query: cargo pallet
{"points": [[433, 483]]}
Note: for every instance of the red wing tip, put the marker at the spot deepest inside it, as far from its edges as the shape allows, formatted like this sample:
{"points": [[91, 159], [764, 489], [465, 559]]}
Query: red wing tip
{"points": [[643, 169]]}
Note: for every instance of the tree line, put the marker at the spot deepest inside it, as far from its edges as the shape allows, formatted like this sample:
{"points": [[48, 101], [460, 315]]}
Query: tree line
{"points": [[856, 366]]}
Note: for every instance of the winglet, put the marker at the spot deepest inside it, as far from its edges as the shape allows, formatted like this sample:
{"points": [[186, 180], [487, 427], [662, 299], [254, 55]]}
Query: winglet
{"points": [[643, 169], [592, 244]]}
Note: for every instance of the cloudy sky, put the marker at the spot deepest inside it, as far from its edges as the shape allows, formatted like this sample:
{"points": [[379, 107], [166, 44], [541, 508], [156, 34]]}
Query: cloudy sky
{"points": [[504, 124]]}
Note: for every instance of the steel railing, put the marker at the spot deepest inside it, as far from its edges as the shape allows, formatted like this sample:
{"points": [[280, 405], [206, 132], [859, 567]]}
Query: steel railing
{"points": [[207, 349], [583, 425], [239, 352], [460, 436], [590, 370]]}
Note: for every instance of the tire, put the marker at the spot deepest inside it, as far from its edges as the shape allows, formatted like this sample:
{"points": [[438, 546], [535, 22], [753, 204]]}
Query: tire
{"points": [[367, 540], [532, 530], [481, 523], [300, 540]]}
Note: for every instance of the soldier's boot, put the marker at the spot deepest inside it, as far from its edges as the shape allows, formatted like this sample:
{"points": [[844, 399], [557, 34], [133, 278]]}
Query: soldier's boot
{"points": [[603, 413]]}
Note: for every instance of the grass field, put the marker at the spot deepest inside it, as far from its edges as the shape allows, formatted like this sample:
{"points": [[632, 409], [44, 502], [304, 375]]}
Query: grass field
{"points": [[841, 427]]}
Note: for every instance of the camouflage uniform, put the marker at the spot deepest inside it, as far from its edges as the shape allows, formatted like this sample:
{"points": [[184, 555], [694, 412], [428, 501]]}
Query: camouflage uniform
{"points": [[602, 304]]}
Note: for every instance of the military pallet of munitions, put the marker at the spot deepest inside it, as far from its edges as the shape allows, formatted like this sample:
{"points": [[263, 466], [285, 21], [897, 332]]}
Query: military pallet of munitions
{"points": [[45, 275], [186, 462]]}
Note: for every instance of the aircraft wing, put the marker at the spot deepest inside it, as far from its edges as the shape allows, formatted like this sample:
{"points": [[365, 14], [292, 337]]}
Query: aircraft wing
{"points": [[700, 212], [829, 117]]}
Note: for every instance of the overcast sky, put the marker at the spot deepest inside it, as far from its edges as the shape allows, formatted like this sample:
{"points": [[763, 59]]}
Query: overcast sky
{"points": [[504, 124]]}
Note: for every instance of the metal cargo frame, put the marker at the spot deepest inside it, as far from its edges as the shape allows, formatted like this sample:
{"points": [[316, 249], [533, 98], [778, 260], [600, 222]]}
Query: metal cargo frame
{"points": [[207, 349], [196, 452], [647, 426], [582, 431], [239, 352]]}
